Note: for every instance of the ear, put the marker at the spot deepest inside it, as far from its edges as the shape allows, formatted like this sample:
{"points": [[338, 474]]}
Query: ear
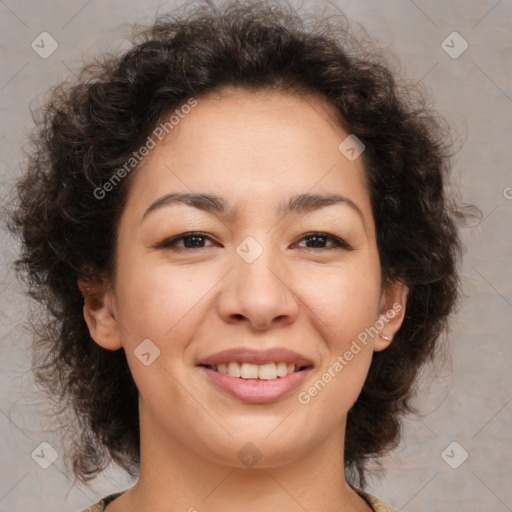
{"points": [[391, 313], [100, 314]]}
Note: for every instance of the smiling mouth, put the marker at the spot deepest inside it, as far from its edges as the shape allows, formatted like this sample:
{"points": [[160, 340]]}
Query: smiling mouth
{"points": [[269, 371]]}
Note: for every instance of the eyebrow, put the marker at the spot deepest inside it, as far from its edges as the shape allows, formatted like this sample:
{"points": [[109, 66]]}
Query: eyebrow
{"points": [[302, 203]]}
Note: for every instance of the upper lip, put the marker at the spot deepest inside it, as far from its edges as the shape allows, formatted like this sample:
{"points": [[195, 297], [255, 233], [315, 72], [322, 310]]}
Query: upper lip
{"points": [[259, 357]]}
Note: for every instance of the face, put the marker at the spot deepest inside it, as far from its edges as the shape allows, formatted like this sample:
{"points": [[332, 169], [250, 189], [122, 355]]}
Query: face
{"points": [[273, 279]]}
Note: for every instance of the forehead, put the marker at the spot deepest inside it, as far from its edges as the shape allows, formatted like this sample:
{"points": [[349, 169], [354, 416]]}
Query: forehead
{"points": [[252, 146], [268, 127]]}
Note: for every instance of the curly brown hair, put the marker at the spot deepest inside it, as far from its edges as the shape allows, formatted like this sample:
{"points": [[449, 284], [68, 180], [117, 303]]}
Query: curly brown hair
{"points": [[91, 126]]}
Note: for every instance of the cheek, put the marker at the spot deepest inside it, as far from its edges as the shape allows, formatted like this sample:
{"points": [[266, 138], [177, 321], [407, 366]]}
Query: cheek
{"points": [[343, 310], [161, 305], [160, 302], [344, 302]]}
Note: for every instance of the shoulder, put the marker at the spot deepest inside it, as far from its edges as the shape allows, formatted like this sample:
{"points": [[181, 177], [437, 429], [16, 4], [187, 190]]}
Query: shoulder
{"points": [[100, 506], [375, 503]]}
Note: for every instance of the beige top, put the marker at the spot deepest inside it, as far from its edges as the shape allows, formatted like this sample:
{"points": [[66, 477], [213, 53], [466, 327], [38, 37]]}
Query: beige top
{"points": [[375, 503]]}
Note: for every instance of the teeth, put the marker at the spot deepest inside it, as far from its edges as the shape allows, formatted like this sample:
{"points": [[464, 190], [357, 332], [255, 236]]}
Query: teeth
{"points": [[234, 370], [249, 371], [269, 371], [282, 369]]}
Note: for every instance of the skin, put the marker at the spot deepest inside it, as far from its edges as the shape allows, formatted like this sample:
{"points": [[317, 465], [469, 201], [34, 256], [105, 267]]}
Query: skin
{"points": [[256, 150]]}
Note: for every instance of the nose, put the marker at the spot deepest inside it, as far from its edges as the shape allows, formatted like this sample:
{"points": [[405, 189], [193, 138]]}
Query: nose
{"points": [[259, 293]]}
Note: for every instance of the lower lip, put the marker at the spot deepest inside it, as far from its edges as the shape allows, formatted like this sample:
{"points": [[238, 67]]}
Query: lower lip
{"points": [[255, 390]]}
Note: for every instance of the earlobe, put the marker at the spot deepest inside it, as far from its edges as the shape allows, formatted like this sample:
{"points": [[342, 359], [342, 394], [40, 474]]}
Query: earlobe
{"points": [[100, 315], [392, 311]]}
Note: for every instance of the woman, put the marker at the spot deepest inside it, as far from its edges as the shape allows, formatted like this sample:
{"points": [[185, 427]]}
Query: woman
{"points": [[240, 231]]}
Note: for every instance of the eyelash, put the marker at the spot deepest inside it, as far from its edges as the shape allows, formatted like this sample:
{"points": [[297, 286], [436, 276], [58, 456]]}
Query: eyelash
{"points": [[171, 243]]}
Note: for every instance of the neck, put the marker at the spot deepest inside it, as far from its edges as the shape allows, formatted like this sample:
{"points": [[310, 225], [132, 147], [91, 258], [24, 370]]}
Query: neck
{"points": [[174, 477]]}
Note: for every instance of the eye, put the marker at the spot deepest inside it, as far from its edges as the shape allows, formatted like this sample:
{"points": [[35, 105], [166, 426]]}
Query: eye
{"points": [[192, 240], [319, 240], [197, 239]]}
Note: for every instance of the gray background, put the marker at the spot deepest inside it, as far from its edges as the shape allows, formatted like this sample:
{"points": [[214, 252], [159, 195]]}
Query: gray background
{"points": [[469, 404]]}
